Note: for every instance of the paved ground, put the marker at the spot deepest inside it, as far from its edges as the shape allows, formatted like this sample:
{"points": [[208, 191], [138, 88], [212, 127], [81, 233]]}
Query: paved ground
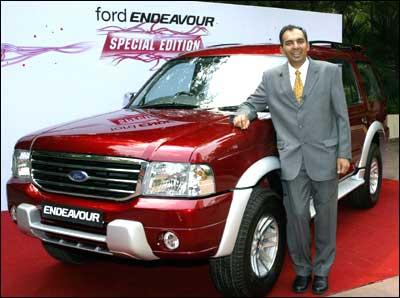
{"points": [[385, 288], [390, 286], [390, 156]]}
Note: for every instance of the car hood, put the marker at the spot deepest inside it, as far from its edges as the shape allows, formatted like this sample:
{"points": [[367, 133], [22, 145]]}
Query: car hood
{"points": [[149, 134]]}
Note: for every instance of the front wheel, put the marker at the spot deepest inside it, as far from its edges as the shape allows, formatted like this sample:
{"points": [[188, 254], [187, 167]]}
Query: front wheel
{"points": [[257, 258]]}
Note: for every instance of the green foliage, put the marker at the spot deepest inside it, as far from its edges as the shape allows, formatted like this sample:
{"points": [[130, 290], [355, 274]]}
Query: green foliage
{"points": [[372, 24]]}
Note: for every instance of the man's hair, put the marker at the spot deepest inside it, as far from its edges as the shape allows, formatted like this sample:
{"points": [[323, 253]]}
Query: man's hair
{"points": [[290, 28]]}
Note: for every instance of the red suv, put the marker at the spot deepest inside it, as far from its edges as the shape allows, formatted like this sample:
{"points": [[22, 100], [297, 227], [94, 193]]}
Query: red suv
{"points": [[168, 176]]}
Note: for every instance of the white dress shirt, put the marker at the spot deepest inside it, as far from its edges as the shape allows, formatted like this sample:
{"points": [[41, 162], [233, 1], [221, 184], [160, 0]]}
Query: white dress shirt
{"points": [[303, 73]]}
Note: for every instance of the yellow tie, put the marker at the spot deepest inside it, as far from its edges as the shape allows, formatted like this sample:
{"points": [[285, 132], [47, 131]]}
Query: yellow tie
{"points": [[298, 87]]}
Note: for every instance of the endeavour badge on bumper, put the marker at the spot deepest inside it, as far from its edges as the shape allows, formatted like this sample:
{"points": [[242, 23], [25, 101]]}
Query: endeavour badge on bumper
{"points": [[75, 215]]}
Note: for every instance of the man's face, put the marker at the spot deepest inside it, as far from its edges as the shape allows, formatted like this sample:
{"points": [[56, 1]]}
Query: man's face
{"points": [[295, 47]]}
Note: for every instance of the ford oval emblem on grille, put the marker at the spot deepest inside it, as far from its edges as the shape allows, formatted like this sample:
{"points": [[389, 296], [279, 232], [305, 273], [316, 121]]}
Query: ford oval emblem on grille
{"points": [[78, 176]]}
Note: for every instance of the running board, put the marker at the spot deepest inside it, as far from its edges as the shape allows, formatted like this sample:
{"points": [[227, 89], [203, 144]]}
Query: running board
{"points": [[346, 186]]}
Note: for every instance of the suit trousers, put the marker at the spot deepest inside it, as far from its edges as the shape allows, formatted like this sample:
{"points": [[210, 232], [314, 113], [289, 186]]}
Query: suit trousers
{"points": [[296, 199]]}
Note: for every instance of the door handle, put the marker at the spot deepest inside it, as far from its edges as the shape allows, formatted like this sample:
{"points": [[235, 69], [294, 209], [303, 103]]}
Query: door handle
{"points": [[364, 120]]}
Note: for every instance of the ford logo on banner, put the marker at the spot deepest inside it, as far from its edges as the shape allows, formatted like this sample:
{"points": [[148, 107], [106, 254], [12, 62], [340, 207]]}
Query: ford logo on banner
{"points": [[78, 176]]}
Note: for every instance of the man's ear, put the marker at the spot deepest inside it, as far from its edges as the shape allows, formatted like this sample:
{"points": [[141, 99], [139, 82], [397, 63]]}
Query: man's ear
{"points": [[281, 49]]}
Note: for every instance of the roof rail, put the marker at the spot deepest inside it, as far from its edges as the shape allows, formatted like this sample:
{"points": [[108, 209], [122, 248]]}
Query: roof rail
{"points": [[338, 45], [223, 44]]}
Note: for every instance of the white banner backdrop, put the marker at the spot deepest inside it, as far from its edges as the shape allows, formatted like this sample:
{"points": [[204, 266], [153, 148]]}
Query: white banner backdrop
{"points": [[62, 61]]}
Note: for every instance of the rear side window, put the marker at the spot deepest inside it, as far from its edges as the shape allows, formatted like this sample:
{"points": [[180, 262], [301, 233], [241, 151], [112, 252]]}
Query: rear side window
{"points": [[349, 83], [370, 81]]}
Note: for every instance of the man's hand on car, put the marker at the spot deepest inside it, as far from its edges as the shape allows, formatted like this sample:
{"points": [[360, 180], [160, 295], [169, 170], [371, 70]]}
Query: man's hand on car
{"points": [[241, 121], [343, 165]]}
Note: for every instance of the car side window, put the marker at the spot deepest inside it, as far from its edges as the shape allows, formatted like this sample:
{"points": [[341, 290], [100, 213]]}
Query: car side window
{"points": [[370, 81], [349, 83]]}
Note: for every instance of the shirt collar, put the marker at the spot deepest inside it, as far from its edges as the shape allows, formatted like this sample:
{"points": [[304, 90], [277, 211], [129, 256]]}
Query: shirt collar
{"points": [[303, 69]]}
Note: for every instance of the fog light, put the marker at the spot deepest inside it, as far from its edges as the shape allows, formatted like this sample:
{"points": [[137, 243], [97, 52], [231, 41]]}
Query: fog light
{"points": [[171, 241], [13, 212]]}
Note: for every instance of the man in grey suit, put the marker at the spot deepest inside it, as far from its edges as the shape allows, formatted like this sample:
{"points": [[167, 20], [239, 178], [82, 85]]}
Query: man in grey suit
{"points": [[309, 113]]}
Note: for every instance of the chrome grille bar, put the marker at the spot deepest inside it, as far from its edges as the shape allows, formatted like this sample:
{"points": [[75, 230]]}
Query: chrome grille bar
{"points": [[90, 177], [86, 157], [80, 166], [79, 186]]}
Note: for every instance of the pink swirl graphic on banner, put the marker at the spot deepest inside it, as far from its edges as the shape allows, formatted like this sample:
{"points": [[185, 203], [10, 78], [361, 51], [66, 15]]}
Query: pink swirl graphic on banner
{"points": [[22, 53], [149, 45], [162, 30]]}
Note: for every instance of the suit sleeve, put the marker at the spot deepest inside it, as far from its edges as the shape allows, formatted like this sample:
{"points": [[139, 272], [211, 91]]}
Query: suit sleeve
{"points": [[256, 102], [342, 116]]}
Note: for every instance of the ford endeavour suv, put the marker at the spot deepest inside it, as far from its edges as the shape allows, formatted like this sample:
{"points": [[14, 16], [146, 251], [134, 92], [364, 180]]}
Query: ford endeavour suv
{"points": [[169, 176]]}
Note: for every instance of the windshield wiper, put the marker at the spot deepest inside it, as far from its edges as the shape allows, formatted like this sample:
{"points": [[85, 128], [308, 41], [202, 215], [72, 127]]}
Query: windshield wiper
{"points": [[228, 108], [174, 105], [183, 93]]}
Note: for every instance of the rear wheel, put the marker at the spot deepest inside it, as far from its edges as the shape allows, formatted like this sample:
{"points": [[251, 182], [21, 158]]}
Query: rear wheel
{"points": [[66, 254], [257, 258], [367, 195]]}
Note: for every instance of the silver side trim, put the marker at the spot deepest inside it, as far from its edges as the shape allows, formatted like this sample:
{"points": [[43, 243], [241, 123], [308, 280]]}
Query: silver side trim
{"points": [[345, 187], [240, 199], [348, 185], [123, 236], [375, 127], [257, 170]]}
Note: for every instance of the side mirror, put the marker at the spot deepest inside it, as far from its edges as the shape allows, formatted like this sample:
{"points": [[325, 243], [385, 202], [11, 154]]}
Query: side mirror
{"points": [[127, 97]]}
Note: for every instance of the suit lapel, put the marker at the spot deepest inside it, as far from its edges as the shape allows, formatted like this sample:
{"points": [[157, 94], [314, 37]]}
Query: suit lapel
{"points": [[312, 77], [285, 83]]}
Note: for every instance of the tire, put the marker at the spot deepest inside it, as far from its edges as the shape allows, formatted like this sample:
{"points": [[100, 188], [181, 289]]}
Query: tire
{"points": [[367, 195], [66, 254], [242, 273]]}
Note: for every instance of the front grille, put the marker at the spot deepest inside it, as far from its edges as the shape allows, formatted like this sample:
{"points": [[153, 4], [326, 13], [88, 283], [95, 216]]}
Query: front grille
{"points": [[108, 177]]}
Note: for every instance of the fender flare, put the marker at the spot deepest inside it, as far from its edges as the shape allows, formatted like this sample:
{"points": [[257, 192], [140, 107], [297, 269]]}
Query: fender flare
{"points": [[240, 197], [374, 128]]}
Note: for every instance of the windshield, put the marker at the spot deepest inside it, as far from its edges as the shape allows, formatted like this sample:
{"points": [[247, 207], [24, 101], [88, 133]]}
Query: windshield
{"points": [[206, 82]]}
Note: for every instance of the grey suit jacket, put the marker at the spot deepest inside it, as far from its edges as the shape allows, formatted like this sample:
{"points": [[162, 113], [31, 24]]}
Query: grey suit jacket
{"points": [[317, 130]]}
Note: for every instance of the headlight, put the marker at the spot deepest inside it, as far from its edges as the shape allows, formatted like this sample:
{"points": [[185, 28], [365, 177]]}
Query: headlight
{"points": [[21, 164], [178, 180]]}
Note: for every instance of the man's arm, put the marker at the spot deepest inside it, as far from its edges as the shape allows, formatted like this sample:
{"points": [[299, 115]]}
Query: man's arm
{"points": [[342, 121], [256, 102]]}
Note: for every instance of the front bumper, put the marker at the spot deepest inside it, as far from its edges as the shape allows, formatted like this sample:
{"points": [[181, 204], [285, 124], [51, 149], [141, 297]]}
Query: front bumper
{"points": [[199, 224], [124, 237]]}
